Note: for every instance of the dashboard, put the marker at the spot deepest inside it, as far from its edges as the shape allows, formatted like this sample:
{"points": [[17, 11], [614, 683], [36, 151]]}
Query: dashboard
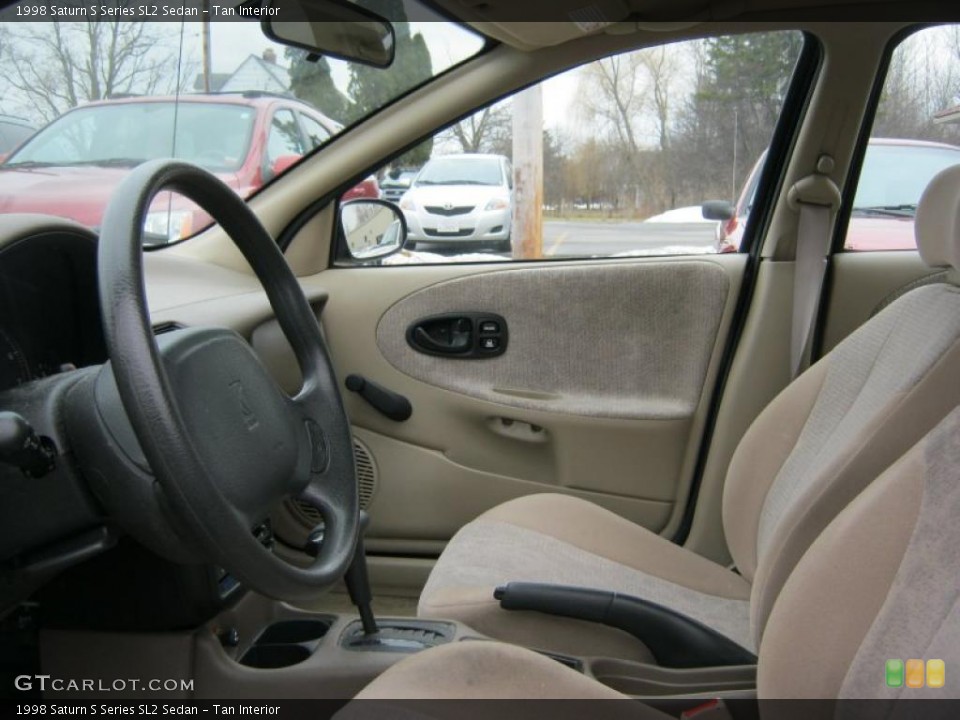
{"points": [[49, 312]]}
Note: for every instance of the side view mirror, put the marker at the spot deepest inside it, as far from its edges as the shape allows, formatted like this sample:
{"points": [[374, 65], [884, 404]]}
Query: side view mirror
{"points": [[372, 229], [718, 210], [283, 163]]}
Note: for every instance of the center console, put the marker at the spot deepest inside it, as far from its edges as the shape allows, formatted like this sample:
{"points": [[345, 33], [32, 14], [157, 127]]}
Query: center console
{"points": [[261, 648], [267, 649]]}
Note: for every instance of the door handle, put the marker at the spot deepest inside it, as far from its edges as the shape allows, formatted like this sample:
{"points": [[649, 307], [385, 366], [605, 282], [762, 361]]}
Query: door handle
{"points": [[445, 337], [459, 335]]}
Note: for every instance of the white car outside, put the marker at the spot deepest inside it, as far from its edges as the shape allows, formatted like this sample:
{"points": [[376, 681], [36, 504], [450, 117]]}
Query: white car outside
{"points": [[460, 200]]}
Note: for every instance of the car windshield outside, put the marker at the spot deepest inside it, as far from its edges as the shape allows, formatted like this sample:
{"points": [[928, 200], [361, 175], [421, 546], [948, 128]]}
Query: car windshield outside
{"points": [[213, 135], [109, 94], [462, 171], [895, 175]]}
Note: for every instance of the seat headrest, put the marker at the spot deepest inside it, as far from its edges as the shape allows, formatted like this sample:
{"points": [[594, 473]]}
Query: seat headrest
{"points": [[937, 224]]}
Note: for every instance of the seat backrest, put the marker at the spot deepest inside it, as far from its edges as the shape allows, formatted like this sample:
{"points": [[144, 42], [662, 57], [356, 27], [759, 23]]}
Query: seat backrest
{"points": [[877, 589], [849, 417]]}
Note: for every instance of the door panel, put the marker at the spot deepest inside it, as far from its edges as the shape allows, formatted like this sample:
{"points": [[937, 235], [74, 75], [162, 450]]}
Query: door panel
{"points": [[599, 341], [601, 393]]}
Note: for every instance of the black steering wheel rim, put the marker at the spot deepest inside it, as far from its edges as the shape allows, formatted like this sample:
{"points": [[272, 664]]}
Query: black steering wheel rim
{"points": [[310, 431]]}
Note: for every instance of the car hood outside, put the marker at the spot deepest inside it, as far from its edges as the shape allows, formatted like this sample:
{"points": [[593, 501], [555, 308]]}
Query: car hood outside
{"points": [[456, 195], [880, 233], [79, 193]]}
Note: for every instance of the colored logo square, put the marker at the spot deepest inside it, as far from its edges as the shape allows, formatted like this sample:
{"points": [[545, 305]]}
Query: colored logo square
{"points": [[936, 673], [895, 673], [914, 673]]}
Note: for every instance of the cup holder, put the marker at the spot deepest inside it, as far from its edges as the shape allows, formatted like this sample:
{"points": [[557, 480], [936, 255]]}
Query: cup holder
{"points": [[286, 643], [275, 656], [293, 631]]}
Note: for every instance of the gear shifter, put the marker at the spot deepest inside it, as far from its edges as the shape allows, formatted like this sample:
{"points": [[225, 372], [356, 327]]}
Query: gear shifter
{"points": [[358, 582], [356, 579], [393, 635]]}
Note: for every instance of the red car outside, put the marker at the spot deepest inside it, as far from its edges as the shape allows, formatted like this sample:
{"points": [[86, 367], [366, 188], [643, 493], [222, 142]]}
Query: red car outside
{"points": [[894, 175], [71, 167]]}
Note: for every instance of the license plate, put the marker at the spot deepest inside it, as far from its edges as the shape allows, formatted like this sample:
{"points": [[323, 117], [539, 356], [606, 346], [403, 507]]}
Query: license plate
{"points": [[448, 226]]}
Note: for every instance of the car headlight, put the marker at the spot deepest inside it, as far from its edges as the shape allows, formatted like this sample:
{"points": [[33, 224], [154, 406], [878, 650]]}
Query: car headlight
{"points": [[408, 205], [171, 225], [497, 204]]}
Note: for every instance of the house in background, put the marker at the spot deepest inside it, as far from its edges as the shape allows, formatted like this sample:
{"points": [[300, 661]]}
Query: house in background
{"points": [[262, 74]]}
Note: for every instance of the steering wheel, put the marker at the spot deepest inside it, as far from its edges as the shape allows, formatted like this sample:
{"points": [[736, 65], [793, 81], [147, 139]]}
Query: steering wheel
{"points": [[224, 443]]}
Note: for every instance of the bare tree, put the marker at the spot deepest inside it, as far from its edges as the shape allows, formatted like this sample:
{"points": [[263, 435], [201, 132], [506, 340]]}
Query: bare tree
{"points": [[55, 66], [630, 99], [612, 93], [662, 66], [487, 131]]}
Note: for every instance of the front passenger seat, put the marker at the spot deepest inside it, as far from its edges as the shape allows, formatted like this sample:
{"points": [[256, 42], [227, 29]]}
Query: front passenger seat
{"points": [[878, 584], [807, 455]]}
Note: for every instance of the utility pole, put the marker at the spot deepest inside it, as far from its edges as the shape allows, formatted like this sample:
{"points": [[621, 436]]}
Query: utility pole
{"points": [[205, 32], [527, 227], [736, 132]]}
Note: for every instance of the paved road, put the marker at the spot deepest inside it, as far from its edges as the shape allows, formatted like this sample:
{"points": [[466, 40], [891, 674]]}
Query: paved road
{"points": [[561, 238], [579, 239]]}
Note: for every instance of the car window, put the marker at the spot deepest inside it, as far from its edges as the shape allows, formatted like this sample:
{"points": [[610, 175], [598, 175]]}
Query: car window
{"points": [[316, 134], [615, 158], [915, 135], [11, 135], [284, 137], [106, 96], [457, 170], [213, 135]]}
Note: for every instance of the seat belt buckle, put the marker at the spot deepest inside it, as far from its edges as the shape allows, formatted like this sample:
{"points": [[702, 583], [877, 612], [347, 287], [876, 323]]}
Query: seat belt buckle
{"points": [[714, 709]]}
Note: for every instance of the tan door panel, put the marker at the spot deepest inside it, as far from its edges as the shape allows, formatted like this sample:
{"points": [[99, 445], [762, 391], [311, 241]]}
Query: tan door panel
{"points": [[602, 392]]}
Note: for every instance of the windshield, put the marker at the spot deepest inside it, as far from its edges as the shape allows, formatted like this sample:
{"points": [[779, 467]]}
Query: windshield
{"points": [[213, 135], [462, 171], [894, 176], [106, 94]]}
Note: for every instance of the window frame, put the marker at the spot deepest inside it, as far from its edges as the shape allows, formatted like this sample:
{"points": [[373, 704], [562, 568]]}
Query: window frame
{"points": [[849, 190], [802, 80]]}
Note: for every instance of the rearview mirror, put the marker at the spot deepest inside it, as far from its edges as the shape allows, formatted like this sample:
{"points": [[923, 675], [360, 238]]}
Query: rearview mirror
{"points": [[718, 210], [333, 28], [372, 229]]}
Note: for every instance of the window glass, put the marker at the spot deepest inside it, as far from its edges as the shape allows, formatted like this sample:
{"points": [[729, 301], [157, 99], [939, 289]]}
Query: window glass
{"points": [[915, 135], [284, 138], [106, 94], [654, 152], [316, 133], [213, 135]]}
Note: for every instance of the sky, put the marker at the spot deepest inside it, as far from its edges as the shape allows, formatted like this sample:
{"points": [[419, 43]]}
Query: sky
{"points": [[233, 42]]}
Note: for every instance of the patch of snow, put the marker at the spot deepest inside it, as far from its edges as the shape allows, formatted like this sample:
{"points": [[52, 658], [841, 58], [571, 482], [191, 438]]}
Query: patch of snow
{"points": [[413, 257], [691, 214], [668, 250]]}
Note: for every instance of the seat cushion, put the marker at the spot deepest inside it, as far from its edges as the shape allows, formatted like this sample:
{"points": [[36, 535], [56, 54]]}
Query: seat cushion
{"points": [[566, 541], [487, 671]]}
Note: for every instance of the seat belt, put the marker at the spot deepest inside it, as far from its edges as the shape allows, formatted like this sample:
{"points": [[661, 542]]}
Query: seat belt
{"points": [[815, 197]]}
